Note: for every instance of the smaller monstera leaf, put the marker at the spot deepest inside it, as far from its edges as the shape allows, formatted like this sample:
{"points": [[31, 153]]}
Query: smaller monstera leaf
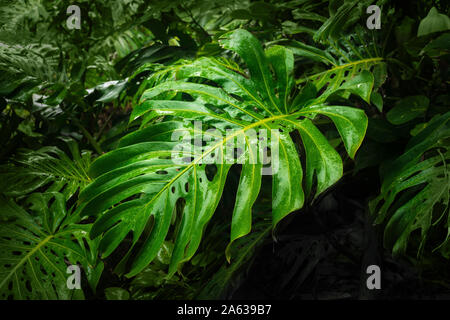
{"points": [[346, 66], [350, 77], [34, 259], [416, 186], [166, 179]]}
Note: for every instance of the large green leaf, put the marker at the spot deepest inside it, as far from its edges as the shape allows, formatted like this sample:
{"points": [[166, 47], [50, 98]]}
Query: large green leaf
{"points": [[138, 187]]}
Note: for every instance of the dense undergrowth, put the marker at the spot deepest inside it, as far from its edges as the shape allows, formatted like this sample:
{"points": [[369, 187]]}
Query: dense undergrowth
{"points": [[357, 118]]}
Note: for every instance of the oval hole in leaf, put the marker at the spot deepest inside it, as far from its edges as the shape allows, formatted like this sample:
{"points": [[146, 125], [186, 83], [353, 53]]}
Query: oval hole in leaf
{"points": [[210, 171]]}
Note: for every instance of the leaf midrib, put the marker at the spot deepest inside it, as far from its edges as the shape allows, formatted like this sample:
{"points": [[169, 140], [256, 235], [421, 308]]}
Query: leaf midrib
{"points": [[224, 141], [24, 259], [344, 66]]}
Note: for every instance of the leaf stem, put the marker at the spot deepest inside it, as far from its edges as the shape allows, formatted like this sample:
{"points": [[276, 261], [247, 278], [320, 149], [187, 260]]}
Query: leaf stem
{"points": [[89, 137]]}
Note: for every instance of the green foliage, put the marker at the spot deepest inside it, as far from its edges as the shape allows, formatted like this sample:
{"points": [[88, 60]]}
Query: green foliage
{"points": [[418, 182], [433, 22], [129, 89], [217, 287], [36, 246], [35, 251], [49, 168], [140, 167], [407, 109]]}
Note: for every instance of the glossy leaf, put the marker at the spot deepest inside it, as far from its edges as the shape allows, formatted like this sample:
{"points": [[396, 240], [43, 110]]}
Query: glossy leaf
{"points": [[137, 186]]}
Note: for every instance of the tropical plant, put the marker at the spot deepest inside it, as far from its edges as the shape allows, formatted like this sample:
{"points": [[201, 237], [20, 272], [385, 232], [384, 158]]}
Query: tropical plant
{"points": [[420, 175], [140, 170], [159, 146], [37, 245]]}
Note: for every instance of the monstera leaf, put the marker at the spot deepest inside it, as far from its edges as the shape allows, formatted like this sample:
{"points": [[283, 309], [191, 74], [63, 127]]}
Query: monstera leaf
{"points": [[172, 172], [416, 186], [37, 245], [34, 258], [343, 66], [346, 61]]}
